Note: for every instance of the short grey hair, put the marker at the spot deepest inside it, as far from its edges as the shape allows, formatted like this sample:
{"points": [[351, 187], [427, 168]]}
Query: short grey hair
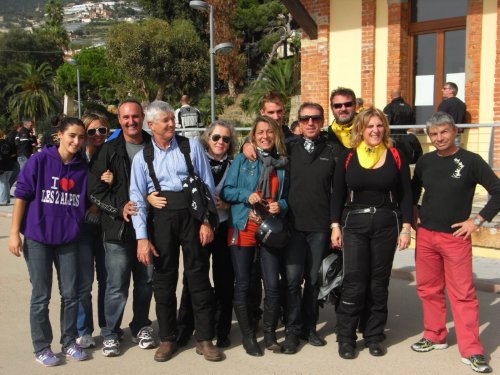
{"points": [[440, 118], [155, 108]]}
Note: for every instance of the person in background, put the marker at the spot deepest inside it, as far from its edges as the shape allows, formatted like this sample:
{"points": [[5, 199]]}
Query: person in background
{"points": [[187, 117], [399, 112], [443, 253], [8, 162], [371, 217], [248, 183], [25, 142], [49, 209], [91, 253]]}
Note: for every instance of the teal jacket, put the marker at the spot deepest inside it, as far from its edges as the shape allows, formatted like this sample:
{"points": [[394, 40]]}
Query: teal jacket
{"points": [[240, 182]]}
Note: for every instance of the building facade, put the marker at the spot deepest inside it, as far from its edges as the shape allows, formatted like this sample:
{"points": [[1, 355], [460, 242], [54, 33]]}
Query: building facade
{"points": [[374, 46]]}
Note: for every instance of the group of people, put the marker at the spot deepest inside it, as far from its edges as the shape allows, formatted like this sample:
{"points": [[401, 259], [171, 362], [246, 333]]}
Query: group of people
{"points": [[121, 208]]}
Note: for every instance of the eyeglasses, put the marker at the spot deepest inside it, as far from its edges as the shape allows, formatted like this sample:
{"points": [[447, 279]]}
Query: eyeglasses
{"points": [[340, 105], [102, 131], [306, 118], [225, 138]]}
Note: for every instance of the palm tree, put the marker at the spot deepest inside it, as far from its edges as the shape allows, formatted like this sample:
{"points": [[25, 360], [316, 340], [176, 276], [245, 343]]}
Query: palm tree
{"points": [[279, 77], [32, 92]]}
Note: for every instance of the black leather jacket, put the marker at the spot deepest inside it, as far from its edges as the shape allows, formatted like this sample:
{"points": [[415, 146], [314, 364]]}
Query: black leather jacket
{"points": [[111, 199]]}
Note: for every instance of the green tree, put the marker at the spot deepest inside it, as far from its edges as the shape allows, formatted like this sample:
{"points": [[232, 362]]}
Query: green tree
{"points": [[54, 23], [32, 92], [99, 78], [171, 56]]}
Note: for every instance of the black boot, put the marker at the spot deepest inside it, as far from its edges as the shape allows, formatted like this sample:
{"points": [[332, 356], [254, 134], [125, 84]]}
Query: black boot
{"points": [[269, 323], [248, 335]]}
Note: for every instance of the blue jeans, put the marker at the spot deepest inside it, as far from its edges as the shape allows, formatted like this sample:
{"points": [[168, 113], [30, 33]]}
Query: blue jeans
{"points": [[121, 262], [90, 253], [5, 187], [303, 258], [242, 258], [39, 258]]}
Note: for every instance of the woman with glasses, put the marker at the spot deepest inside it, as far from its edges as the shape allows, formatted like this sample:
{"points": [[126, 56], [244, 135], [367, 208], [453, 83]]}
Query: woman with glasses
{"points": [[248, 183], [91, 252], [220, 142], [371, 216]]}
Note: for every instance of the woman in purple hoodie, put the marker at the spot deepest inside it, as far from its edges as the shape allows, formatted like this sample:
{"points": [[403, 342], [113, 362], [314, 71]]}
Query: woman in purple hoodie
{"points": [[48, 211]]}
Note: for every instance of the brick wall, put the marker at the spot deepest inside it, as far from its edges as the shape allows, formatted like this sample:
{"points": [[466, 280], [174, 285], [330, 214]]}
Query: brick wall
{"points": [[496, 113], [397, 64], [315, 56], [368, 20], [473, 58]]}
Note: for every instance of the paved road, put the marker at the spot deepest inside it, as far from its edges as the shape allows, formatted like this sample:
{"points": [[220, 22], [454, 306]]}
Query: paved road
{"points": [[403, 328]]}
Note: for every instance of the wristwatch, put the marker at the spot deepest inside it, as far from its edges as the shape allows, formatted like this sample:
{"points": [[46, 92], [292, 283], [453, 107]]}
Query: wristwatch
{"points": [[334, 225], [477, 222]]}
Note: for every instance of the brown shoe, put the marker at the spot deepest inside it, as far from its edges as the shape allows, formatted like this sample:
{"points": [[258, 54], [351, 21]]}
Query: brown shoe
{"points": [[165, 351], [209, 351]]}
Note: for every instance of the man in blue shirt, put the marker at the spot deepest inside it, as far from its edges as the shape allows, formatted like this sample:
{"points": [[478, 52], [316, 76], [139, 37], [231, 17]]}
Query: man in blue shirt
{"points": [[158, 242]]}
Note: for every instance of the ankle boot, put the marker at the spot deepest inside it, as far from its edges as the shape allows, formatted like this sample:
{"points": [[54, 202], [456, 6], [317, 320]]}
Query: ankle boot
{"points": [[247, 334], [269, 323]]}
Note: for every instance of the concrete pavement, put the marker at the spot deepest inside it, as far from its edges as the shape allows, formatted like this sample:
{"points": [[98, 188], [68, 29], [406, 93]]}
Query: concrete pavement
{"points": [[403, 328]]}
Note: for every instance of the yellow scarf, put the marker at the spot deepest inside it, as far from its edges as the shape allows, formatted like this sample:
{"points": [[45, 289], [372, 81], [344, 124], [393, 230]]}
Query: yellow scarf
{"points": [[343, 133], [369, 156]]}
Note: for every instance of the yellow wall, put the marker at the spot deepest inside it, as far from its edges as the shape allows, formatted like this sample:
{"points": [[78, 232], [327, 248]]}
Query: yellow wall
{"points": [[345, 44], [381, 54]]}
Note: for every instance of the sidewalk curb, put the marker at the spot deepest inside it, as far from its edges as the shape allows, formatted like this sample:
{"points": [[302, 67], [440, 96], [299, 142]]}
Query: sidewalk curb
{"points": [[482, 285]]}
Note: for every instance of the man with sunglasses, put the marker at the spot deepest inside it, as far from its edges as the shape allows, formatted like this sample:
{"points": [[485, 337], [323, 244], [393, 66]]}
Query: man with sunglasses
{"points": [[343, 105], [312, 166]]}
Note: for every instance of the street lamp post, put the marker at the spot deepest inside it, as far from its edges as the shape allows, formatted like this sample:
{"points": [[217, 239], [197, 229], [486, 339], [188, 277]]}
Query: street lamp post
{"points": [[219, 48], [74, 62]]}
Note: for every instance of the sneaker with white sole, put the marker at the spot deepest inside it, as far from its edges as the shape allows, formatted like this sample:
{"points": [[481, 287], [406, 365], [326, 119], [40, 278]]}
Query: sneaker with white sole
{"points": [[145, 338], [111, 348], [86, 341], [423, 345], [74, 351], [47, 358], [478, 363]]}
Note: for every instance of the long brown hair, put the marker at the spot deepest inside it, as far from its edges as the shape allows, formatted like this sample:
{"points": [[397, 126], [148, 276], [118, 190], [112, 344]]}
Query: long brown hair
{"points": [[279, 138]]}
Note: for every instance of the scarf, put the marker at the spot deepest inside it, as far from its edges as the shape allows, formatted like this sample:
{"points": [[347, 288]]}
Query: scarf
{"points": [[369, 156], [270, 161], [343, 133], [218, 167]]}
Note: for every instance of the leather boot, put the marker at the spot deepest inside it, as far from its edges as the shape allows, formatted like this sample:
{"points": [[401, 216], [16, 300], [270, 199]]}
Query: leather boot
{"points": [[248, 335], [269, 323]]}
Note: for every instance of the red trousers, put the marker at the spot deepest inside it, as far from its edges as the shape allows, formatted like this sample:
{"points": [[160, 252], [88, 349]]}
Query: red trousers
{"points": [[444, 261]]}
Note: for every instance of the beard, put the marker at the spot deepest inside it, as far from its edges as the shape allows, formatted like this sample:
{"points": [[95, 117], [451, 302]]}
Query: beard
{"points": [[347, 120]]}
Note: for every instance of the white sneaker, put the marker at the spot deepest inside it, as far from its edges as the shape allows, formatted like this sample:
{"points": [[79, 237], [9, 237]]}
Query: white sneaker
{"points": [[145, 338], [85, 341]]}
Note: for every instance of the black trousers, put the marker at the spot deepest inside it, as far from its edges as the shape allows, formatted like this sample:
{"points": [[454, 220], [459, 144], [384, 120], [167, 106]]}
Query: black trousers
{"points": [[223, 277], [369, 243], [172, 229]]}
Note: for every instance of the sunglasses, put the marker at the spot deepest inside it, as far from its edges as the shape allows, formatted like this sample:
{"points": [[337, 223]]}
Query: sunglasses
{"points": [[340, 105], [102, 131], [225, 138], [306, 118]]}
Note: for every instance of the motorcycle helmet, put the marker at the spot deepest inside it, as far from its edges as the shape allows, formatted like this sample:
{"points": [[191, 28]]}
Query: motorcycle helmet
{"points": [[273, 232]]}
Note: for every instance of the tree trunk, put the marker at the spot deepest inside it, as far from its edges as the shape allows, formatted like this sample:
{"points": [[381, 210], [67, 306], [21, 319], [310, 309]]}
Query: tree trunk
{"points": [[161, 91], [232, 88]]}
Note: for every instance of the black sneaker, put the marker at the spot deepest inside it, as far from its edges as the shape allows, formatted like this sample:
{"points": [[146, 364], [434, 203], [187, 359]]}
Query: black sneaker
{"points": [[478, 363], [290, 344]]}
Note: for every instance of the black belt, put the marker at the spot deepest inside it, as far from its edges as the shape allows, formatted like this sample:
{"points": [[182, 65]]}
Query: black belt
{"points": [[368, 210], [176, 200]]}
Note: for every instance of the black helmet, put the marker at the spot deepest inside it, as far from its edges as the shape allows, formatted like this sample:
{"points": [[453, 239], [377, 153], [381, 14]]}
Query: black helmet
{"points": [[273, 232]]}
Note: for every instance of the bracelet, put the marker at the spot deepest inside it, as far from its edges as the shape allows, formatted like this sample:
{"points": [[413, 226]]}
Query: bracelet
{"points": [[406, 233], [334, 225]]}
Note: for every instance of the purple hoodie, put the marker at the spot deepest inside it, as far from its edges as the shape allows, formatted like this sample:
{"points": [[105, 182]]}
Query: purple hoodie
{"points": [[55, 193]]}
